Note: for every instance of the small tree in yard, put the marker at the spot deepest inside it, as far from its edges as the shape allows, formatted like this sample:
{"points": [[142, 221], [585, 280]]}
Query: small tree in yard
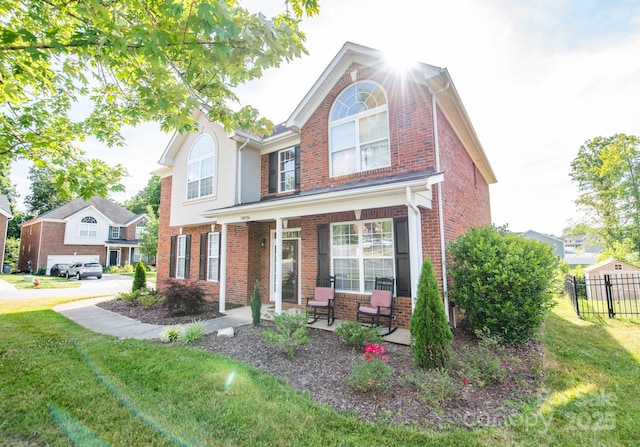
{"points": [[429, 328], [503, 282], [256, 303], [140, 278]]}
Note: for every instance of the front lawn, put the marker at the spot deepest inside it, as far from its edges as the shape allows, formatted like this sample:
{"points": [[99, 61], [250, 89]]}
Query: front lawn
{"points": [[62, 382], [45, 282]]}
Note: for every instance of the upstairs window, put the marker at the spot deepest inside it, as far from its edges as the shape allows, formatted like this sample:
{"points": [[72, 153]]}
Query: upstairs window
{"points": [[88, 227], [284, 170], [201, 168], [140, 227], [115, 232], [359, 130]]}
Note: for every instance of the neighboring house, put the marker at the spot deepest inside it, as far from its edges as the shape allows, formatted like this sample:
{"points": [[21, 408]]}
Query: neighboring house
{"points": [[96, 230], [620, 278], [555, 243], [5, 215], [349, 186]]}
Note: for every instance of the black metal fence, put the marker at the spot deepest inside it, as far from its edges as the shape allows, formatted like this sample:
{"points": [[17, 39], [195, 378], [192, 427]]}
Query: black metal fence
{"points": [[605, 295]]}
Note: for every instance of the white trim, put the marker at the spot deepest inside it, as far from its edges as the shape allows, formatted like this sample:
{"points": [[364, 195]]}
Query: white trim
{"points": [[272, 261], [223, 268], [378, 196]]}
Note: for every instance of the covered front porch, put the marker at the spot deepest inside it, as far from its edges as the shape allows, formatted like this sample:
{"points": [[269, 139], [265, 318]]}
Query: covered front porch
{"points": [[295, 232]]}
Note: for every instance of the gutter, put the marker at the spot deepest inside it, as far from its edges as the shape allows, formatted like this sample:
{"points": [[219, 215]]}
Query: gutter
{"points": [[443, 246]]}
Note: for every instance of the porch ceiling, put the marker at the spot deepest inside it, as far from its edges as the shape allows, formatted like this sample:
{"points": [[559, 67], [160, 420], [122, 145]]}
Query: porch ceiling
{"points": [[291, 207]]}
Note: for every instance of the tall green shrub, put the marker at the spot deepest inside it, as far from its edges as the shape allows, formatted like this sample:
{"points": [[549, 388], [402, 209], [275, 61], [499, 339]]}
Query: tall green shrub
{"points": [[429, 328], [256, 303], [140, 278], [503, 282]]}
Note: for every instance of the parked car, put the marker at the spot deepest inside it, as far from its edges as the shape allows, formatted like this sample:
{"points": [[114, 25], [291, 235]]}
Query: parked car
{"points": [[59, 270], [84, 270]]}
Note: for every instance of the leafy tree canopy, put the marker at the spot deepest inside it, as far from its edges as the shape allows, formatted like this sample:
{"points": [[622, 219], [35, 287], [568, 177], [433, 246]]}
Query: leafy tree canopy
{"points": [[607, 172], [45, 193], [71, 70], [148, 196]]}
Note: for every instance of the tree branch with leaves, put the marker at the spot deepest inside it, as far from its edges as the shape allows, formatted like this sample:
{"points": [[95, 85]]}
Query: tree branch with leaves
{"points": [[70, 70]]}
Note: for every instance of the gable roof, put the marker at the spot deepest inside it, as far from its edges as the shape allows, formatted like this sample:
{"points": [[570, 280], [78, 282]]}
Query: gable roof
{"points": [[436, 78], [5, 206], [112, 211], [608, 262]]}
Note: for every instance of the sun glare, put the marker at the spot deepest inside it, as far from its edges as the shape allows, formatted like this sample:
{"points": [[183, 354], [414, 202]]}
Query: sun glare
{"points": [[401, 62]]}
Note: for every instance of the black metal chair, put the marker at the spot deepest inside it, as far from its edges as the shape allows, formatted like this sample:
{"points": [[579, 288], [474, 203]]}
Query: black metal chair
{"points": [[323, 302], [380, 307]]}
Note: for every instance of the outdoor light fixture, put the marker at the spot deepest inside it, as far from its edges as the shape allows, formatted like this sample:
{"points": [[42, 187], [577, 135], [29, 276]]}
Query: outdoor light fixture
{"points": [[264, 242]]}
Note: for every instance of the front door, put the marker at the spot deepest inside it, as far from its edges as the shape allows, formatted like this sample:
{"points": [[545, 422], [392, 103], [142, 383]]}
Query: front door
{"points": [[290, 271], [113, 257]]}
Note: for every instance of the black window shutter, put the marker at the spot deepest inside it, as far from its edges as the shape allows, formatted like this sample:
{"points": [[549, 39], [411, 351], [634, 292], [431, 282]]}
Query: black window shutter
{"points": [[121, 232], [403, 264], [297, 172], [187, 257], [172, 258], [273, 172], [323, 251], [202, 273]]}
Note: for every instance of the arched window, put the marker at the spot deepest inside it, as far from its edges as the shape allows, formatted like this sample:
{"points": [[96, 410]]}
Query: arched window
{"points": [[88, 227], [140, 227], [359, 130], [201, 168]]}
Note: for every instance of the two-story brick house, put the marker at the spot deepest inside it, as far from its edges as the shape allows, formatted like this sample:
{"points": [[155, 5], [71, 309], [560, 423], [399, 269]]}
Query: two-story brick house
{"points": [[373, 172], [97, 229]]}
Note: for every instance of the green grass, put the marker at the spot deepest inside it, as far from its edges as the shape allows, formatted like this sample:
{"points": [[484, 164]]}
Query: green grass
{"points": [[151, 276], [46, 282], [63, 385]]}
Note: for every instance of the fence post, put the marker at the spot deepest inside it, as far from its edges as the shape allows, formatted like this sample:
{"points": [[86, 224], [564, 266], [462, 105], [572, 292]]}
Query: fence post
{"points": [[574, 295], [609, 292]]}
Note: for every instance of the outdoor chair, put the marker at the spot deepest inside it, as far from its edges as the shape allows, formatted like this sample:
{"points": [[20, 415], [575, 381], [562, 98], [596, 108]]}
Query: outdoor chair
{"points": [[323, 302], [380, 308]]}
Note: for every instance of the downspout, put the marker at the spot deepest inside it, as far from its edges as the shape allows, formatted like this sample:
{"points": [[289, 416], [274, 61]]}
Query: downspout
{"points": [[415, 255], [239, 176], [443, 244]]}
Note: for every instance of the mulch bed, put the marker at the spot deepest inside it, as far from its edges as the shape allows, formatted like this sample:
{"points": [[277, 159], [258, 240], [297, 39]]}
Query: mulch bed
{"points": [[321, 367]]}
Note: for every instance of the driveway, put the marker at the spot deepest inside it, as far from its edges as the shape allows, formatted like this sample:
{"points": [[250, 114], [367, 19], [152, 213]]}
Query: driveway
{"points": [[108, 285]]}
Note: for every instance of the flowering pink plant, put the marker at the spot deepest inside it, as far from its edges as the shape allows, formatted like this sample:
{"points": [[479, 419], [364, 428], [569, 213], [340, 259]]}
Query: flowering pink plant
{"points": [[375, 350]]}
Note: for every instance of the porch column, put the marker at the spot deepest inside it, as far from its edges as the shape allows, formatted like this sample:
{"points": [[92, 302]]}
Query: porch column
{"points": [[278, 261], [223, 268], [415, 252]]}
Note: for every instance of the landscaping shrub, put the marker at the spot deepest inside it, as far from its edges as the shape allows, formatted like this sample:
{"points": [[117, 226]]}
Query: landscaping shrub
{"points": [[149, 297], [256, 304], [140, 278], [191, 333], [171, 334], [436, 386], [355, 335], [127, 268], [371, 373], [183, 298], [290, 331], [484, 364], [503, 281], [430, 332], [129, 297], [42, 271]]}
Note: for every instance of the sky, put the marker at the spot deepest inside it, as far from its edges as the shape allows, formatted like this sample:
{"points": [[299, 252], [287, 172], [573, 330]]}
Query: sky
{"points": [[538, 78]]}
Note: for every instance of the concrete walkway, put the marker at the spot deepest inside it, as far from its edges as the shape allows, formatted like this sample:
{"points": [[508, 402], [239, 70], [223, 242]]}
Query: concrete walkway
{"points": [[87, 314]]}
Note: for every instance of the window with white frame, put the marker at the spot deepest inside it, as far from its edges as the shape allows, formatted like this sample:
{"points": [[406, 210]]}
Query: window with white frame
{"points": [[359, 130], [115, 232], [200, 169], [287, 170], [88, 227], [213, 255], [140, 227], [181, 258], [361, 252]]}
